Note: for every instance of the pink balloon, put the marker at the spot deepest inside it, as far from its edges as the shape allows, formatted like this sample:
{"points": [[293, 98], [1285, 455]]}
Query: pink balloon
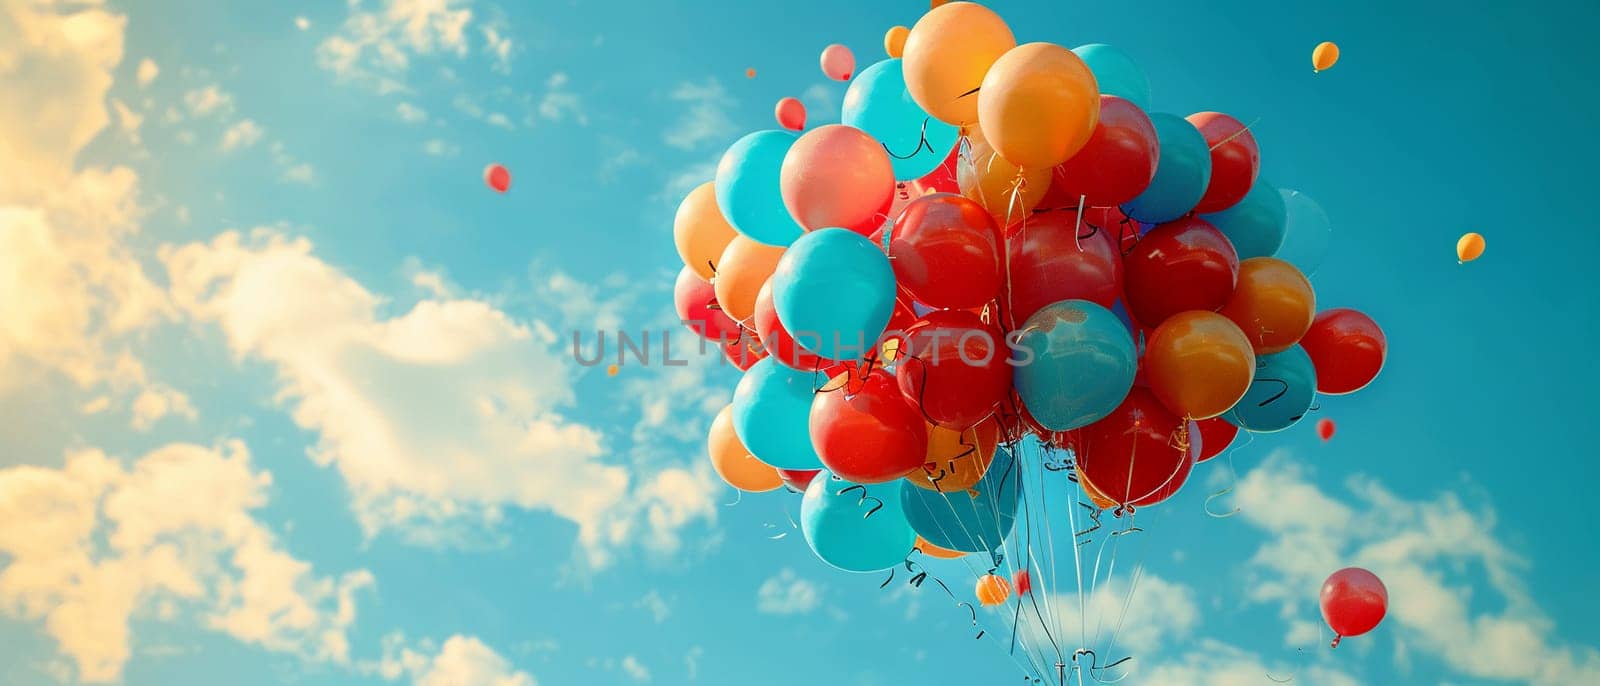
{"points": [[837, 176], [1353, 601], [791, 114], [838, 62], [497, 177]]}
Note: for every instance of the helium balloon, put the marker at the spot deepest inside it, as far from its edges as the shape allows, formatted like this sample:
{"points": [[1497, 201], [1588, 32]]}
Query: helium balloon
{"points": [[1006, 190], [1082, 364], [1353, 601], [497, 177], [1199, 363], [1038, 105], [1324, 56], [992, 590], [1282, 393], [953, 367], [1273, 304], [772, 415], [798, 479], [1347, 348], [1235, 160], [1135, 452], [956, 460], [791, 114], [1099, 499], [894, 41], [1182, 174], [1058, 258], [837, 176], [733, 463], [947, 54], [750, 73], [838, 63], [936, 552], [696, 303], [946, 251], [1254, 225], [1215, 435], [748, 187], [877, 102], [970, 521], [776, 341], [744, 267], [855, 527], [1325, 429], [1469, 247], [612, 370], [835, 285], [1116, 73], [1117, 163], [1306, 232], [868, 434], [1178, 266], [699, 231], [1024, 582]]}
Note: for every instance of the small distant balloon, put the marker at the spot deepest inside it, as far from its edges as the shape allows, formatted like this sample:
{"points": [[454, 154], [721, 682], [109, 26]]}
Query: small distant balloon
{"points": [[1324, 56], [791, 114], [894, 42], [750, 73], [838, 63], [497, 177], [1325, 429], [1469, 247], [1024, 582], [993, 590], [1353, 601], [611, 371]]}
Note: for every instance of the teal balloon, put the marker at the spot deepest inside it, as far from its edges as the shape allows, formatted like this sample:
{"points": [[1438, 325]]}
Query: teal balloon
{"points": [[1285, 387], [855, 527], [1182, 173], [1254, 225], [747, 188], [877, 102], [1306, 232], [1116, 73], [836, 288], [968, 521], [1075, 362], [772, 415]]}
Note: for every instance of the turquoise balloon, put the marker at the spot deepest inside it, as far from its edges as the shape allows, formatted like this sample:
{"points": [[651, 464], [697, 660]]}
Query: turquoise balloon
{"points": [[1306, 232], [747, 188], [1116, 73], [1182, 174], [1255, 224], [968, 521], [1075, 362], [772, 415], [877, 102], [834, 287], [855, 527], [1285, 386]]}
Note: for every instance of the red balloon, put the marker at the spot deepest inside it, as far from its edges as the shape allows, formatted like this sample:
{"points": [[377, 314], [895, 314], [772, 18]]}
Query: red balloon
{"points": [[1056, 258], [1353, 600], [1325, 428], [798, 479], [1118, 162], [1139, 454], [1347, 349], [1178, 266], [1216, 434], [791, 114], [946, 251], [868, 434], [776, 340], [1235, 160], [497, 177], [696, 303], [1023, 582], [954, 367]]}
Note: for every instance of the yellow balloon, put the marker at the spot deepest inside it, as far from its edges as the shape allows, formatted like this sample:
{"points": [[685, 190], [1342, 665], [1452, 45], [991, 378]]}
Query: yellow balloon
{"points": [[1469, 247], [946, 55], [700, 231], [894, 42], [1039, 105], [1003, 188], [743, 268], [733, 462], [1324, 56]]}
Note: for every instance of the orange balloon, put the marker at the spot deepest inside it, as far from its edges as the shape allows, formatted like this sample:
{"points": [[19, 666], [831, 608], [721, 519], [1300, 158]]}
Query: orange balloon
{"points": [[947, 54], [750, 73], [744, 266], [734, 463], [612, 370], [957, 460], [1039, 105], [993, 590], [1003, 188], [1273, 304], [936, 552], [1099, 499], [1199, 364], [700, 231], [894, 42]]}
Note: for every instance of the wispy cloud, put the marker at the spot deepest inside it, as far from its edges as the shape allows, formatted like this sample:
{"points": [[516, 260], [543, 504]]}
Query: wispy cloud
{"points": [[147, 72], [242, 134], [787, 594], [707, 117], [410, 114], [207, 101]]}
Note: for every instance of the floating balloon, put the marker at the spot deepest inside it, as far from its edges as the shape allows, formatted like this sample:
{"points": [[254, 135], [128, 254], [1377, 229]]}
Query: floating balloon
{"points": [[936, 552], [1178, 266], [1347, 348], [1235, 160], [1118, 162], [612, 370], [1116, 73], [1324, 56], [1199, 363], [1216, 434], [1325, 429], [699, 231], [744, 267], [1099, 499], [1024, 582], [1182, 174], [776, 341], [1353, 601], [772, 415], [855, 527], [497, 177], [1282, 393], [947, 54], [791, 114], [1080, 366], [836, 286], [868, 434], [894, 41], [946, 251], [696, 304], [1469, 247], [992, 590], [1038, 105], [733, 462], [1059, 258], [956, 460], [748, 187], [1135, 452], [970, 521], [877, 102], [1273, 304], [837, 176], [798, 479], [1306, 232], [1007, 191], [838, 63], [1254, 225], [750, 73], [953, 367]]}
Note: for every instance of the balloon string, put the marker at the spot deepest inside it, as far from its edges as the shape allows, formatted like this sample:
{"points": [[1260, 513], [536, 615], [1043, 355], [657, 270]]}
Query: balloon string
{"points": [[1233, 481], [922, 144], [1235, 134]]}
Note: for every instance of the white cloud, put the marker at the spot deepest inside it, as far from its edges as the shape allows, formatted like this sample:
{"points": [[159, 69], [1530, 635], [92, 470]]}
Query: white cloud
{"points": [[822, 104], [1213, 663], [128, 120], [204, 102], [379, 39], [461, 661], [706, 120], [302, 23], [302, 173], [656, 605], [156, 402], [410, 114], [440, 148], [691, 661], [148, 71], [559, 103], [242, 134], [787, 594], [499, 46], [634, 669], [499, 119]]}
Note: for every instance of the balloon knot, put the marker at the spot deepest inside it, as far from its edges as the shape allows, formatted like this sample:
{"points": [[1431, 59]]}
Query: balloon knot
{"points": [[1335, 642]]}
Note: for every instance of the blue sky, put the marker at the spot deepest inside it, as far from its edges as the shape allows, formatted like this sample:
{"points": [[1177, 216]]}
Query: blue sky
{"points": [[286, 395]]}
